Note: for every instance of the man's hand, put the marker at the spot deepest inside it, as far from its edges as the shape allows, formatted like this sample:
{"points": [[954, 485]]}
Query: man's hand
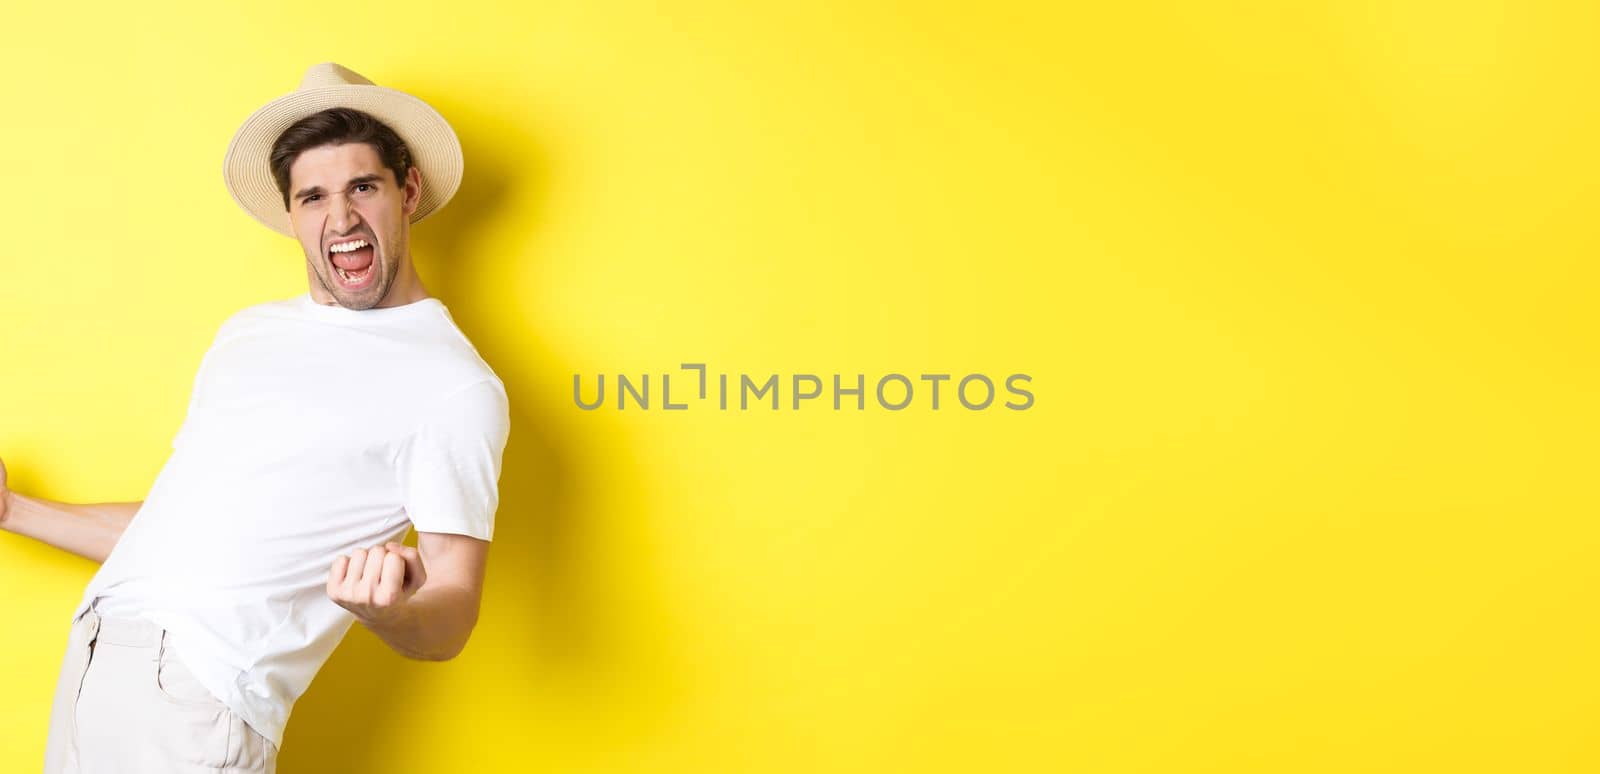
{"points": [[373, 583], [5, 494]]}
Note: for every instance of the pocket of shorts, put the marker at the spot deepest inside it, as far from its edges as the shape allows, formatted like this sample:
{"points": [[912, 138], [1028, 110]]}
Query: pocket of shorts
{"points": [[177, 684]]}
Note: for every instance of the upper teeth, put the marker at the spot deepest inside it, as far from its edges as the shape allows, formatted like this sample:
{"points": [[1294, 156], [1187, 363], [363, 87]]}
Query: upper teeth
{"points": [[348, 246]]}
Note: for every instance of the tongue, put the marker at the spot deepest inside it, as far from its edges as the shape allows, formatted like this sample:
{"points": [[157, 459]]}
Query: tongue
{"points": [[355, 260]]}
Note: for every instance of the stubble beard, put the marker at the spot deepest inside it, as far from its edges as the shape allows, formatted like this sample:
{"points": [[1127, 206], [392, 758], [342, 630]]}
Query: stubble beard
{"points": [[366, 299]]}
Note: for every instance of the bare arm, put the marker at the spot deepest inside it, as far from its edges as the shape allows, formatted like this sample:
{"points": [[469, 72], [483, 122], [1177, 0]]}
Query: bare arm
{"points": [[421, 613], [88, 530]]}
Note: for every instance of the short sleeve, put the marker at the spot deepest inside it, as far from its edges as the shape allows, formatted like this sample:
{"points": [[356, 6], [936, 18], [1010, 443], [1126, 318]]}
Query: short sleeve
{"points": [[449, 467]]}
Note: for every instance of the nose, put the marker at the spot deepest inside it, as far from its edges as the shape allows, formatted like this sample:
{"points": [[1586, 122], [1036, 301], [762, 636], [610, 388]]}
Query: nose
{"points": [[342, 215]]}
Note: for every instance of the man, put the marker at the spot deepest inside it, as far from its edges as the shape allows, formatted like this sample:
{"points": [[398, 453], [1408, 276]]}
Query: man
{"points": [[319, 430]]}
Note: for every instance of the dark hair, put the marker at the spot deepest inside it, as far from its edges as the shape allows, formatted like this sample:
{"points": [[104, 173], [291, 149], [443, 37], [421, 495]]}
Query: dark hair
{"points": [[337, 126]]}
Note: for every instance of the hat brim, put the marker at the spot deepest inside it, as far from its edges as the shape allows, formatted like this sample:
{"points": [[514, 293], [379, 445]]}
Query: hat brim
{"points": [[435, 149]]}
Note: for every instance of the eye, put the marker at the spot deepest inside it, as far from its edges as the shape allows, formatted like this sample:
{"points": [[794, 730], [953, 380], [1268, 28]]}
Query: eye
{"points": [[365, 185], [311, 198]]}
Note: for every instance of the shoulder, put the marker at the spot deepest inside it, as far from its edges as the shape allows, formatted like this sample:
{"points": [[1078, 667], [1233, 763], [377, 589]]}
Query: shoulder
{"points": [[255, 313], [459, 365], [474, 416], [480, 403], [273, 308]]}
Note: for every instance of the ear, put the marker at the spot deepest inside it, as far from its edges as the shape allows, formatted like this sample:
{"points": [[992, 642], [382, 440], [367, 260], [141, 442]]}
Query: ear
{"points": [[413, 191]]}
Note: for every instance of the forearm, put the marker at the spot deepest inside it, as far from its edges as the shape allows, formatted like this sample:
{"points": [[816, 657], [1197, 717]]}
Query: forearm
{"points": [[433, 625], [88, 530]]}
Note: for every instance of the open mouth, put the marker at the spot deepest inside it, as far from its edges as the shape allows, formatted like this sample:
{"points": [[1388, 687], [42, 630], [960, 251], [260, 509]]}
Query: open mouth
{"points": [[354, 263]]}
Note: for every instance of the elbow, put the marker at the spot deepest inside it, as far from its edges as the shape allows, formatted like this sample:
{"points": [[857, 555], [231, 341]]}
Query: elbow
{"points": [[446, 651], [438, 655], [446, 654]]}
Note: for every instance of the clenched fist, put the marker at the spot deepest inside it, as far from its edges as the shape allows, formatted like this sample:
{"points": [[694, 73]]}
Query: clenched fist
{"points": [[374, 582]]}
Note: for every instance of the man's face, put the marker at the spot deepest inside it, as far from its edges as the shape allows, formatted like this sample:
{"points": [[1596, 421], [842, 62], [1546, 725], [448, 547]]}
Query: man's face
{"points": [[342, 196]]}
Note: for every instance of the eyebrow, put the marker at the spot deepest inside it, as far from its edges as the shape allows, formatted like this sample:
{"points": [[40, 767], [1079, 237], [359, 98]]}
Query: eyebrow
{"points": [[354, 181]]}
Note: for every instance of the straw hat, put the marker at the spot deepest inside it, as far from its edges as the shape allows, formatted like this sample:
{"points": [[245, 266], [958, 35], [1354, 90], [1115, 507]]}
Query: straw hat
{"points": [[434, 148]]}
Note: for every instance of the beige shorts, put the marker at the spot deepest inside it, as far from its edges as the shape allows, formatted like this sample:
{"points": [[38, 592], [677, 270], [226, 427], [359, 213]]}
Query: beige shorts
{"points": [[125, 704]]}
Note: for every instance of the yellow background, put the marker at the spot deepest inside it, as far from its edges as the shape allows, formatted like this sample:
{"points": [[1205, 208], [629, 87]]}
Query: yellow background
{"points": [[1306, 290]]}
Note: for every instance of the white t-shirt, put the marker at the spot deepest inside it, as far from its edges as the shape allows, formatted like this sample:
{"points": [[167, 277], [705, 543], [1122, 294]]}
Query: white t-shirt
{"points": [[312, 430]]}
